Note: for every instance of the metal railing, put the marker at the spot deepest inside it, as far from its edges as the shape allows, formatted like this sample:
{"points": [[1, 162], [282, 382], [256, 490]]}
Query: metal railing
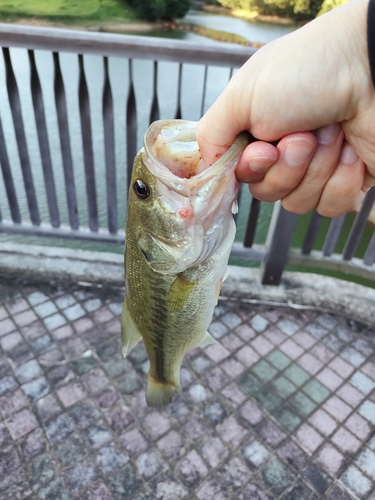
{"points": [[99, 219], [279, 249]]}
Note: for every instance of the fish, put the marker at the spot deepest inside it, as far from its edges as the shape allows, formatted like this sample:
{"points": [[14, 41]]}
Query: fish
{"points": [[179, 234]]}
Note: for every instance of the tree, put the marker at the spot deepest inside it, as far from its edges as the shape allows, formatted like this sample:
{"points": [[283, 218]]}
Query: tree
{"points": [[176, 8], [151, 10], [295, 9], [330, 4]]}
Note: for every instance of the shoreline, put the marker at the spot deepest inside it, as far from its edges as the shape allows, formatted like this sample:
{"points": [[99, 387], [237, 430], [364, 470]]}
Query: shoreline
{"points": [[107, 26], [247, 15], [128, 26]]}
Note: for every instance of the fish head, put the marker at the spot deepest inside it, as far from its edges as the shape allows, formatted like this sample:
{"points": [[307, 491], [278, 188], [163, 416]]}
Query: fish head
{"points": [[179, 208], [159, 219]]}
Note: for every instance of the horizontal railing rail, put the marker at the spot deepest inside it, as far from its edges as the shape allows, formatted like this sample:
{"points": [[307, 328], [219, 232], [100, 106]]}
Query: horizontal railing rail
{"points": [[75, 91], [130, 46]]}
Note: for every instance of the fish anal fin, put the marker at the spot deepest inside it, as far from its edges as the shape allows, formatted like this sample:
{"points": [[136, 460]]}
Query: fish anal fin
{"points": [[179, 293], [129, 333], [159, 394], [226, 274], [217, 291], [207, 340]]}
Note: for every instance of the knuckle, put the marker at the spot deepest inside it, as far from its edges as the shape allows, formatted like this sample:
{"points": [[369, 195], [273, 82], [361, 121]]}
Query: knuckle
{"points": [[297, 207]]}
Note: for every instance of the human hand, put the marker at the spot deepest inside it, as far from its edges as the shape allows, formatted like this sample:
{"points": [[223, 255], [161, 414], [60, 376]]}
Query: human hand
{"points": [[315, 79]]}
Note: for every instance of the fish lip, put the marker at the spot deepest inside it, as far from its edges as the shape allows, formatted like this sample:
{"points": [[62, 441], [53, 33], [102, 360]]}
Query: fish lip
{"points": [[189, 186]]}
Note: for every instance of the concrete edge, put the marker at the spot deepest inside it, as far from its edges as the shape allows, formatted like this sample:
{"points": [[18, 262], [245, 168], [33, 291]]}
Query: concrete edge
{"points": [[337, 296], [56, 263], [309, 290]]}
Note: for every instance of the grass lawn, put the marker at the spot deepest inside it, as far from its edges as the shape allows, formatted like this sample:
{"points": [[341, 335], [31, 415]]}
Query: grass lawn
{"points": [[74, 10]]}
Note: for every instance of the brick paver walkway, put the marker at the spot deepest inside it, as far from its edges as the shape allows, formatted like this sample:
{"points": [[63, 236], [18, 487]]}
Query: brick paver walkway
{"points": [[283, 406]]}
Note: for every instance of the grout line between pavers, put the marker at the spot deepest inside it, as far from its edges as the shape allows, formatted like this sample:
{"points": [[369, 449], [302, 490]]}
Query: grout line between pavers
{"points": [[198, 378]]}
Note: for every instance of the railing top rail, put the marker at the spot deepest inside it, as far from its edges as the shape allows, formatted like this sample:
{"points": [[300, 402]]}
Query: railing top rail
{"points": [[106, 44]]}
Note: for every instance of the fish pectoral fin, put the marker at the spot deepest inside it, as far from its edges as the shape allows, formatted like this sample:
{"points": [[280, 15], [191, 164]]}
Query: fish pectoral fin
{"points": [[159, 393], [129, 333], [207, 340], [179, 293]]}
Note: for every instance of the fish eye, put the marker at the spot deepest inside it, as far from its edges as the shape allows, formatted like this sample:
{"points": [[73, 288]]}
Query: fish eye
{"points": [[141, 189]]}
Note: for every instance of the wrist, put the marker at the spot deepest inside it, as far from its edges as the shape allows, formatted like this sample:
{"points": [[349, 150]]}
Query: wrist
{"points": [[353, 23]]}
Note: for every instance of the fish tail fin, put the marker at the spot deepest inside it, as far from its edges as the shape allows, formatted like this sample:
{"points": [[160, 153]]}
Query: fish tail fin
{"points": [[159, 393], [129, 333]]}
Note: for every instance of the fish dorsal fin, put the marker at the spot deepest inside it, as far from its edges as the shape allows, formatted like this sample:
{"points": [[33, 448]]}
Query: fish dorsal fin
{"points": [[179, 293], [129, 333]]}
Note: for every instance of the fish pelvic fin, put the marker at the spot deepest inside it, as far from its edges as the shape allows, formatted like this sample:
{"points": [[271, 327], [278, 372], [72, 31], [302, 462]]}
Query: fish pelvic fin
{"points": [[207, 340], [159, 394], [129, 333]]}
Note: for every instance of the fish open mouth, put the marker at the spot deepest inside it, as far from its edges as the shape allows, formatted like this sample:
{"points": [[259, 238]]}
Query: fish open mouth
{"points": [[195, 198], [176, 148]]}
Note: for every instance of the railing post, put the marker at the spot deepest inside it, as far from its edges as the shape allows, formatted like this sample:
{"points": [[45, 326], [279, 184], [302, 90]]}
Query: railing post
{"points": [[88, 154], [279, 239], [131, 126], [358, 225], [66, 151], [15, 107], [155, 112]]}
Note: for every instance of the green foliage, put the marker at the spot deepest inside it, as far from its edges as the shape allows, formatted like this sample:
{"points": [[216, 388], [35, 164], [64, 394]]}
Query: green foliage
{"points": [[151, 10], [330, 4], [67, 9], [295, 9], [148, 9], [176, 8], [233, 4]]}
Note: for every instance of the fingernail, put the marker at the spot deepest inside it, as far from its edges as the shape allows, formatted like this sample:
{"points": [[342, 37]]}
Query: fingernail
{"points": [[297, 151], [348, 154], [328, 134], [261, 163]]}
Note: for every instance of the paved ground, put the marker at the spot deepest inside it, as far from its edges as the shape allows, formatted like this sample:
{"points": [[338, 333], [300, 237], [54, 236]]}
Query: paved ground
{"points": [[282, 407]]}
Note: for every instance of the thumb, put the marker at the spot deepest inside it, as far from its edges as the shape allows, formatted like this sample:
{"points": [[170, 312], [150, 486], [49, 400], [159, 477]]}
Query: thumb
{"points": [[218, 128]]}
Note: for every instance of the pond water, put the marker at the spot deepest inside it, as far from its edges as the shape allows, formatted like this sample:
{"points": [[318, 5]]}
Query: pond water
{"points": [[253, 31]]}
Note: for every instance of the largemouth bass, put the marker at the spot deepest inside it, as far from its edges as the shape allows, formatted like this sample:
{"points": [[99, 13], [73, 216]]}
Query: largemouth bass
{"points": [[179, 234]]}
